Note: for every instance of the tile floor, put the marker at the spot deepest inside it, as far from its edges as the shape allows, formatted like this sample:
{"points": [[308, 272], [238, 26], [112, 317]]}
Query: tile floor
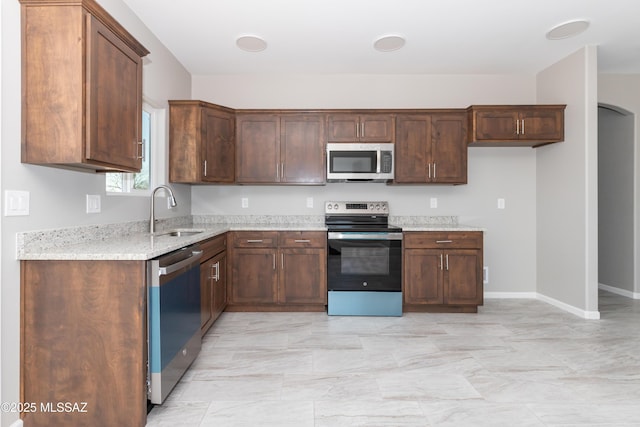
{"points": [[515, 363]]}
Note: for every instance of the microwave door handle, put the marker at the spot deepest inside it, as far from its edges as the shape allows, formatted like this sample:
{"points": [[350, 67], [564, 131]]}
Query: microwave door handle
{"points": [[378, 159]]}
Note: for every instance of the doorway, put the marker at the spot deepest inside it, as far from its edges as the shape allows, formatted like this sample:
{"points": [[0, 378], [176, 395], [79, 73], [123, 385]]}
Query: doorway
{"points": [[616, 200]]}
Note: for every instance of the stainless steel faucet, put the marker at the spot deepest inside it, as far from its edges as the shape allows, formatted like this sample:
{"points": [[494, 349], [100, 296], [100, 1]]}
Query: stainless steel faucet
{"points": [[172, 201]]}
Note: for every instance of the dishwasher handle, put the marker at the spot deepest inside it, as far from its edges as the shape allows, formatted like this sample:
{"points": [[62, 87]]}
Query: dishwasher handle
{"points": [[195, 256]]}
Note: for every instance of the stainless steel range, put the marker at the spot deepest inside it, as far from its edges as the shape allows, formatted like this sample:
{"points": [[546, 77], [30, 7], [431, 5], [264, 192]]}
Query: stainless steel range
{"points": [[364, 261]]}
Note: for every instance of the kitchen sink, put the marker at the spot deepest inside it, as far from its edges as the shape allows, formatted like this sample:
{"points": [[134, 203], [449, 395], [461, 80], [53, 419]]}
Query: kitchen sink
{"points": [[180, 232]]}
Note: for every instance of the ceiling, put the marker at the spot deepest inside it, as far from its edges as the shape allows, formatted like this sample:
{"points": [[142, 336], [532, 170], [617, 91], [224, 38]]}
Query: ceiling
{"points": [[442, 37]]}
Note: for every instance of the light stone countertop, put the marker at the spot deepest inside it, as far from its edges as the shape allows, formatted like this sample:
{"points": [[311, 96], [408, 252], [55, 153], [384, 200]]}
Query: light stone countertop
{"points": [[132, 241]]}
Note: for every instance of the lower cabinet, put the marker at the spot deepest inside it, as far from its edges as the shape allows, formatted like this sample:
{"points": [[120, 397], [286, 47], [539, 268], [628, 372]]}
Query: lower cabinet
{"points": [[278, 271], [83, 340], [442, 271], [213, 280]]}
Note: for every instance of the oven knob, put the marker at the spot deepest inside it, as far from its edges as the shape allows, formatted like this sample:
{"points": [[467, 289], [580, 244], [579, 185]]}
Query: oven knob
{"points": [[329, 206], [335, 206], [378, 207], [371, 206], [365, 284]]}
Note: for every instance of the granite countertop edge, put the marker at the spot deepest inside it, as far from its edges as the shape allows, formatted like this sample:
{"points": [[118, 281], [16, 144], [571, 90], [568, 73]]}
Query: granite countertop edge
{"points": [[131, 241]]}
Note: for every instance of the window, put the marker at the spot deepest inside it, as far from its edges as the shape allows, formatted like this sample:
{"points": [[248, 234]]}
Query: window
{"points": [[142, 182]]}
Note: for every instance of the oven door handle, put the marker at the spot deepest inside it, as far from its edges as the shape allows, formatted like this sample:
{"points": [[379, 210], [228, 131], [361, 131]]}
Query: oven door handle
{"points": [[334, 235]]}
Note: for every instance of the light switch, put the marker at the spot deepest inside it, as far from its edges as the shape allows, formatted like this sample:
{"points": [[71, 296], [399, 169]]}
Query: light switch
{"points": [[245, 202], [16, 203], [433, 202], [93, 203]]}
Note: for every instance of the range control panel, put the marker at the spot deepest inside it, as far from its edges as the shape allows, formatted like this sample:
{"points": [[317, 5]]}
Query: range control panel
{"points": [[355, 208]]}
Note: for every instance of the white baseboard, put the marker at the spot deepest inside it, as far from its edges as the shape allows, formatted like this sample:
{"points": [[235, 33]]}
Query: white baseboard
{"points": [[618, 291], [592, 315], [17, 423]]}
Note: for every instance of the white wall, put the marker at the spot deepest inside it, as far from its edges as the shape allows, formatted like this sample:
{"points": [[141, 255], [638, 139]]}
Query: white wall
{"points": [[58, 196], [624, 91], [493, 172], [567, 242]]}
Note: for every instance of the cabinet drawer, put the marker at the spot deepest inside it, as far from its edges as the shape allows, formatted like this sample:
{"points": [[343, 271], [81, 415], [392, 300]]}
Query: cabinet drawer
{"points": [[213, 246], [303, 239], [443, 239], [255, 239]]}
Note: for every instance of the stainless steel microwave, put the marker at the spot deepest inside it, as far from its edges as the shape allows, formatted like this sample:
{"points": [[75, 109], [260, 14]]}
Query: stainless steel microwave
{"points": [[360, 162]]}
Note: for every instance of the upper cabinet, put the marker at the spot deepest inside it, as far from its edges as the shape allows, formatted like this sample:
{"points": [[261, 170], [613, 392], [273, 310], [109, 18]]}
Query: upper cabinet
{"points": [[360, 128], [431, 148], [515, 125], [201, 143], [81, 88], [280, 148]]}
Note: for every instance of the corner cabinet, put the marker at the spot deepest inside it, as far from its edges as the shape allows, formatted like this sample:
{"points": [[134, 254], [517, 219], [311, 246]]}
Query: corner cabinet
{"points": [[515, 125], [280, 148], [431, 148], [201, 143], [442, 271], [81, 88], [278, 271]]}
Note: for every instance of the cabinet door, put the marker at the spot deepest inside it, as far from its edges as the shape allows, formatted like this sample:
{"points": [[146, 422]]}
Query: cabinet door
{"points": [[302, 153], [422, 277], [218, 148], [219, 285], [206, 295], [542, 124], [412, 138], [254, 276], [376, 128], [258, 148], [463, 282], [496, 125], [303, 276], [449, 149], [114, 118], [343, 127]]}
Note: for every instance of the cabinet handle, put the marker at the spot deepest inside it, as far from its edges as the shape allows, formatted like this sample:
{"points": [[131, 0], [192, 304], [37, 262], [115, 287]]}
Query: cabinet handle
{"points": [[282, 173], [429, 170], [277, 171], [441, 262], [254, 241], [140, 145], [447, 258], [282, 261], [216, 275], [517, 127], [434, 170], [444, 241], [523, 126], [302, 241], [362, 131], [274, 261], [205, 168], [357, 130]]}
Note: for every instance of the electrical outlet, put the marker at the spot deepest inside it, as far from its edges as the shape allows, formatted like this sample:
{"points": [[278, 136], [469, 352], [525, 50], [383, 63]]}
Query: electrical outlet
{"points": [[500, 203], [309, 202], [93, 203], [485, 275], [245, 202], [433, 203]]}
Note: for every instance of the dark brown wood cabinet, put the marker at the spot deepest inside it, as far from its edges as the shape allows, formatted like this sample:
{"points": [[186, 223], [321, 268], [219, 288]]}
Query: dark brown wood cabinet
{"points": [[278, 271], [201, 143], [442, 271], [213, 280], [280, 148], [515, 125], [81, 88], [83, 339], [431, 148], [352, 127]]}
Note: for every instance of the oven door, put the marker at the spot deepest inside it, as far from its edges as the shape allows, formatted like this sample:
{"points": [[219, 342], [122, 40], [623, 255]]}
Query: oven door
{"points": [[364, 261]]}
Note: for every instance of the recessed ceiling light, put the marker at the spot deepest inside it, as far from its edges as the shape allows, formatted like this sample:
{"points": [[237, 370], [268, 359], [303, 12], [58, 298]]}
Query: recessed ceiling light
{"points": [[389, 43], [251, 43], [568, 29]]}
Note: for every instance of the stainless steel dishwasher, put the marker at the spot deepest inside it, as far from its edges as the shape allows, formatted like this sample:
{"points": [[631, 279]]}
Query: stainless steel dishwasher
{"points": [[173, 318]]}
